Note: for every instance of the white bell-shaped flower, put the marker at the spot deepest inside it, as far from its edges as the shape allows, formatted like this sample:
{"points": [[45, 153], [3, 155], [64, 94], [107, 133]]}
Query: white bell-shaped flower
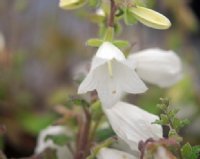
{"points": [[132, 124], [156, 66], [109, 153], [110, 75], [42, 144]]}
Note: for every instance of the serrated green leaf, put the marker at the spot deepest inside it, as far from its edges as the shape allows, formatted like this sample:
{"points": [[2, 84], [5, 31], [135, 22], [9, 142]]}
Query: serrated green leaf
{"points": [[164, 119], [196, 151], [94, 42], [184, 122], [186, 151], [172, 133], [176, 124], [161, 106]]}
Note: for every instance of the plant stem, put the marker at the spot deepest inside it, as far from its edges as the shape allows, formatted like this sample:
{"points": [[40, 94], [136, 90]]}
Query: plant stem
{"points": [[82, 150], [111, 18]]}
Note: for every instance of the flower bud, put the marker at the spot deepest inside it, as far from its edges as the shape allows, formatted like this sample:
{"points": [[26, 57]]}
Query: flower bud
{"points": [[132, 124], [71, 4], [151, 18]]}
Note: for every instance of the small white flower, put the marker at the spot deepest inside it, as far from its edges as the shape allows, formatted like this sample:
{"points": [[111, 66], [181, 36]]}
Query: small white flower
{"points": [[132, 124], [61, 151], [109, 153], [156, 66], [110, 75], [100, 12]]}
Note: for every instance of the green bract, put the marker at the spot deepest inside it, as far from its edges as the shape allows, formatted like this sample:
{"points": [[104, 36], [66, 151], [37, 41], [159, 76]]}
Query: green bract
{"points": [[150, 18], [71, 4]]}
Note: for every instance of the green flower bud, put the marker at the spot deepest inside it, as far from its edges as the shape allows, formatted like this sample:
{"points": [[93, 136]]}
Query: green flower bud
{"points": [[150, 18], [71, 4]]}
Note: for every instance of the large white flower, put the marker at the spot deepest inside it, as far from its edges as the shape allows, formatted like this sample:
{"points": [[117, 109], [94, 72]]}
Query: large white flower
{"points": [[157, 66], [110, 75], [42, 144], [132, 124], [109, 153]]}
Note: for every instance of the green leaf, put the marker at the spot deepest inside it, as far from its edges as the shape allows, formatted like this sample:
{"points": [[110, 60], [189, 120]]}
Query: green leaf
{"points": [[121, 43], [58, 139], [103, 134], [186, 152], [172, 133], [159, 122], [164, 119], [34, 123], [196, 151], [81, 102], [94, 42], [129, 18]]}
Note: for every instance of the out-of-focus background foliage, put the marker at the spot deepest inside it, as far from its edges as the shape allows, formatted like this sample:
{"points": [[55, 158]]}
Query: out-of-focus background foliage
{"points": [[43, 47]]}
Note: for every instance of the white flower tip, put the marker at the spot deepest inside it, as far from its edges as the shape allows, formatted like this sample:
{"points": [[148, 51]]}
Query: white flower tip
{"points": [[42, 144], [100, 12], [157, 66], [109, 153], [133, 124], [109, 51]]}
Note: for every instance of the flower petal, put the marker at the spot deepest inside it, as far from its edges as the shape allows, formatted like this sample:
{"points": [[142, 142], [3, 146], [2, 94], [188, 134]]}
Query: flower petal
{"points": [[157, 66], [42, 144], [88, 84], [124, 79], [109, 153], [132, 124], [109, 51]]}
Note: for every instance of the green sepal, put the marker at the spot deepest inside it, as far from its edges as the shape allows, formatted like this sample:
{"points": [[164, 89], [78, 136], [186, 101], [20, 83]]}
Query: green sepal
{"points": [[121, 43], [94, 42], [129, 18], [96, 110], [109, 34]]}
